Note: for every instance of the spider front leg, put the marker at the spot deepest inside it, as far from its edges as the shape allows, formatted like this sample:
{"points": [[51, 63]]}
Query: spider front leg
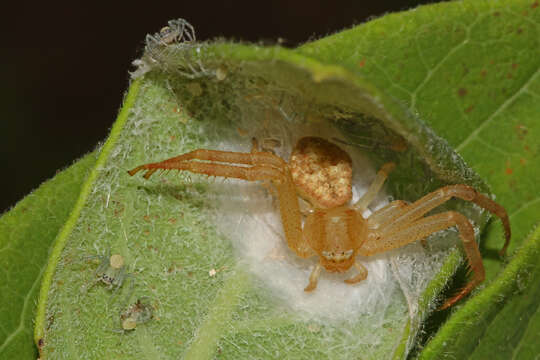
{"points": [[253, 166], [424, 227], [261, 162], [403, 214], [400, 223]]}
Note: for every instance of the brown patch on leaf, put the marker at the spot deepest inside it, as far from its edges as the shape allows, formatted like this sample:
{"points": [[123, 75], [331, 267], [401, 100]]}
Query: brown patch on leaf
{"points": [[521, 131], [483, 73], [174, 268], [462, 92], [469, 109], [361, 63], [535, 4], [508, 169]]}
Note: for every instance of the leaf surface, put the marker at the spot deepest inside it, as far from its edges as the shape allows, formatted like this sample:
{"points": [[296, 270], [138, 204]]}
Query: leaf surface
{"points": [[470, 74], [181, 238], [27, 233], [474, 76]]}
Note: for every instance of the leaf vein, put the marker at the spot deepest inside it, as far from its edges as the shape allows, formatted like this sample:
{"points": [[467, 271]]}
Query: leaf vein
{"points": [[497, 111], [494, 148], [521, 17], [21, 326], [441, 62], [520, 344], [524, 206]]}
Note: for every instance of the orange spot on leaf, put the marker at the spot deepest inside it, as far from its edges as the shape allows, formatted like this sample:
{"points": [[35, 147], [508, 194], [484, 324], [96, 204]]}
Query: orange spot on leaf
{"points": [[535, 4], [509, 171], [362, 63], [521, 131], [469, 109]]}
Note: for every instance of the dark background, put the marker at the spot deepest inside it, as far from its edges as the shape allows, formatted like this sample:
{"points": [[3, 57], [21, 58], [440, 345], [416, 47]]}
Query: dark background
{"points": [[64, 66]]}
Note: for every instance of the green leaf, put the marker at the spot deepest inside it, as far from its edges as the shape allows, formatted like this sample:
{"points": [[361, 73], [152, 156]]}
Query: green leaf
{"points": [[502, 320], [27, 233], [474, 76], [168, 237], [468, 69], [210, 295]]}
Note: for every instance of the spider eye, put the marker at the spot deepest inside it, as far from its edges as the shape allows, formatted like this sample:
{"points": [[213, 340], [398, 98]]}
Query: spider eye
{"points": [[328, 255]]}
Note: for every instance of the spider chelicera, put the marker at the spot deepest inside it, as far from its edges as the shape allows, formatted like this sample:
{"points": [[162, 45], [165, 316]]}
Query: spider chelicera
{"points": [[320, 172]]}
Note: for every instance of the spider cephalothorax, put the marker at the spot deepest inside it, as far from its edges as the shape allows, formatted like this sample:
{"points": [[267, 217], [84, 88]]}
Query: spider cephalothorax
{"points": [[321, 173]]}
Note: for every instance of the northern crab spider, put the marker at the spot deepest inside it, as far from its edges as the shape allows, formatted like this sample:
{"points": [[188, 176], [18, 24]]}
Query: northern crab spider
{"points": [[321, 173]]}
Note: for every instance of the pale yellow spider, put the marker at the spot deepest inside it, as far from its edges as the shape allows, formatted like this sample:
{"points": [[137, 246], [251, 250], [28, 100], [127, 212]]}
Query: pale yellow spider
{"points": [[321, 173]]}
